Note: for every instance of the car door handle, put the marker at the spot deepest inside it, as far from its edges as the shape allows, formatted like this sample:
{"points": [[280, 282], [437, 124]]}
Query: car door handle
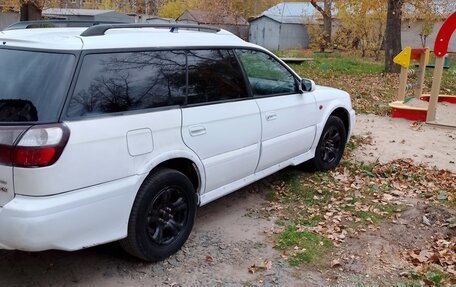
{"points": [[197, 131], [271, 117]]}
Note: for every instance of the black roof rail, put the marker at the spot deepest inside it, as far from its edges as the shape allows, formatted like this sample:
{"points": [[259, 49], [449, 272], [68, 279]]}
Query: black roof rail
{"points": [[100, 30], [57, 23]]}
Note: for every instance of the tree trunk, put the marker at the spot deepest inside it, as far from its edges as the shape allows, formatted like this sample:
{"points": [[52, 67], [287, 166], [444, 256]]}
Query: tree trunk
{"points": [[29, 12], [327, 21], [393, 35]]}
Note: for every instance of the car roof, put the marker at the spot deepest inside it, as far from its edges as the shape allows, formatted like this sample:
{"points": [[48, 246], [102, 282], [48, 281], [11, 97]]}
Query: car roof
{"points": [[70, 39]]}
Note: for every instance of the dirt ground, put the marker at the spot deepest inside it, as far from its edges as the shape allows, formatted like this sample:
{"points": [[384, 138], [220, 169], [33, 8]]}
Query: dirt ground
{"points": [[229, 235], [445, 114], [399, 138]]}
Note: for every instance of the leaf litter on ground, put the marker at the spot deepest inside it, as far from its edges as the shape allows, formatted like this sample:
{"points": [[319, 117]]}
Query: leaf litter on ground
{"points": [[354, 197]]}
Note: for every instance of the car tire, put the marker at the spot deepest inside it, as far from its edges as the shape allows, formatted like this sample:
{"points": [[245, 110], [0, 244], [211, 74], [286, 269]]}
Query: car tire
{"points": [[162, 216], [331, 145]]}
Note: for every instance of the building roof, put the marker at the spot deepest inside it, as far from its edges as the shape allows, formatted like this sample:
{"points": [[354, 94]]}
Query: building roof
{"points": [[76, 12], [205, 17], [293, 13], [156, 19]]}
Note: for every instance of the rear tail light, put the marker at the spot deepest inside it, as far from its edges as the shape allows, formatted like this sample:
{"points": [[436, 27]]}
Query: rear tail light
{"points": [[8, 138], [37, 146]]}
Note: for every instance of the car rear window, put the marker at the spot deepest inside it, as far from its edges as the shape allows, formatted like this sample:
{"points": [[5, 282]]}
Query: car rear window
{"points": [[33, 85], [122, 82]]}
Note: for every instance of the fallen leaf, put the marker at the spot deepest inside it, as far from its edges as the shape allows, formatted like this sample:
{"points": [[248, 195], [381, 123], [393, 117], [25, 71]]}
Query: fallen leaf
{"points": [[335, 263], [426, 221], [387, 197], [208, 258], [262, 266]]}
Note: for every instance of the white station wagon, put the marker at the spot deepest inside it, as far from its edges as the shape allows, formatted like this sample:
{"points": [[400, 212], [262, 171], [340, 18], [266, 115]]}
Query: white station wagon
{"points": [[119, 132]]}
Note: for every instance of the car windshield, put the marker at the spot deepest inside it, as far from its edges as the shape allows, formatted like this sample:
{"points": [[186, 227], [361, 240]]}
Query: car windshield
{"points": [[33, 85]]}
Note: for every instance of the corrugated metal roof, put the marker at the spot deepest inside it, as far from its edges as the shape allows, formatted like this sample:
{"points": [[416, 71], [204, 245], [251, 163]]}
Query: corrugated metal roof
{"points": [[77, 12], [205, 17], [293, 13]]}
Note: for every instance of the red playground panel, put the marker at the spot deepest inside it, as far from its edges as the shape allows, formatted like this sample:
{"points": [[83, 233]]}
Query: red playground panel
{"points": [[444, 36], [416, 53], [412, 115], [442, 98]]}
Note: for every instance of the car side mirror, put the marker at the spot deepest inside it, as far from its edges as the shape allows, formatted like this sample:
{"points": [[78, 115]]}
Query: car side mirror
{"points": [[308, 85]]}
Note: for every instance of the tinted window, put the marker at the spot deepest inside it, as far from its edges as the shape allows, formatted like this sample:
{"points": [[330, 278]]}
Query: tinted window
{"points": [[33, 85], [214, 75], [119, 82], [266, 75]]}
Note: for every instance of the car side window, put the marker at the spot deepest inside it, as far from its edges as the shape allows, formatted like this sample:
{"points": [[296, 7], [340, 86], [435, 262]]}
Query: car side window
{"points": [[266, 75], [118, 82], [214, 75]]}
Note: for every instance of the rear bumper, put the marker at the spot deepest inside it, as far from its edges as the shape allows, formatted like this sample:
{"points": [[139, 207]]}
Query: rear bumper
{"points": [[69, 221]]}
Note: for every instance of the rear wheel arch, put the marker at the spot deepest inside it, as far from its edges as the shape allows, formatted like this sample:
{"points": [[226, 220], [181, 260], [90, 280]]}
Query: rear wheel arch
{"points": [[185, 166]]}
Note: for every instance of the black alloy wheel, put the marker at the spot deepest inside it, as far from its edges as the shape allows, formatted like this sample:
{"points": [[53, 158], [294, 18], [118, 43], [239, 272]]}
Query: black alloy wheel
{"points": [[331, 145], [162, 216], [167, 215]]}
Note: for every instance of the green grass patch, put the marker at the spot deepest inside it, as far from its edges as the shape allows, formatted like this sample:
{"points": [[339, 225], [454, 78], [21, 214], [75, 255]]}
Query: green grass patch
{"points": [[306, 247], [403, 283], [408, 283], [271, 196], [328, 67], [310, 221], [432, 277], [306, 188]]}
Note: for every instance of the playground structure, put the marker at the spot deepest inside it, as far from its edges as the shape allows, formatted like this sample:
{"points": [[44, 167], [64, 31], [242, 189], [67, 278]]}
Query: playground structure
{"points": [[399, 108]]}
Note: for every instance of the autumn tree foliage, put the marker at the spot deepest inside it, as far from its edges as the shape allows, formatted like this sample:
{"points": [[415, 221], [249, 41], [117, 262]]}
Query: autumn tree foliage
{"points": [[362, 25], [374, 26], [427, 13], [244, 8]]}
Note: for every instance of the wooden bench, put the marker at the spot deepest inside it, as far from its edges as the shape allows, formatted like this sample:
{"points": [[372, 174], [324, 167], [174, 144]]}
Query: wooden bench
{"points": [[296, 60]]}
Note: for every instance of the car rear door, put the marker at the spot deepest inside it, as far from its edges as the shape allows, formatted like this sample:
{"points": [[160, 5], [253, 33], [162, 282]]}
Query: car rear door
{"points": [[221, 123], [288, 116], [124, 112]]}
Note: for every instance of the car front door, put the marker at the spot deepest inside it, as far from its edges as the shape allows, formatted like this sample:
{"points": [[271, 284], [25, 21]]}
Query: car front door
{"points": [[288, 116]]}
